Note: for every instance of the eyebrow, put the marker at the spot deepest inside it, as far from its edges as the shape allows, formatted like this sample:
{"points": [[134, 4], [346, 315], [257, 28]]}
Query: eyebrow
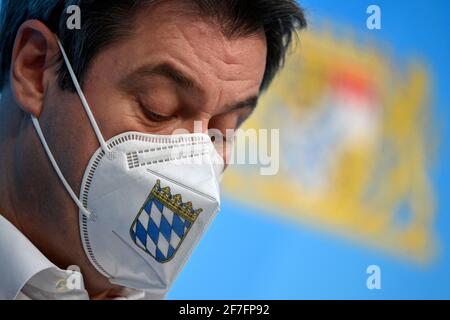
{"points": [[251, 102], [171, 72]]}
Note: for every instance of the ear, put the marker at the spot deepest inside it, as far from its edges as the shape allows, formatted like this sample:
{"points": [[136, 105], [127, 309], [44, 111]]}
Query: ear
{"points": [[35, 55]]}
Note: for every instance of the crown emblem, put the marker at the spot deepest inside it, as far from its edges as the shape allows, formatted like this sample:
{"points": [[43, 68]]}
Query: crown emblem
{"points": [[175, 203]]}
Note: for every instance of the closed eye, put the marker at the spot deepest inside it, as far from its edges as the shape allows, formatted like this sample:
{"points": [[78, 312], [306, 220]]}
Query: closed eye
{"points": [[153, 116]]}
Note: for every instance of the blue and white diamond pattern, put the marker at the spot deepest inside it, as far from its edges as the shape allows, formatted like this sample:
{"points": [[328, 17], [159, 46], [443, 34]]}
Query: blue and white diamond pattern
{"points": [[159, 231]]}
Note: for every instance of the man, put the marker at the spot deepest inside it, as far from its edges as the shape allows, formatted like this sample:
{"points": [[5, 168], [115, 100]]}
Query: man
{"points": [[145, 66]]}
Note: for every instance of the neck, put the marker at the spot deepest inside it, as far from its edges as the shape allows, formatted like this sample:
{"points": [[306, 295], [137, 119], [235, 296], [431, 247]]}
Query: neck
{"points": [[11, 119]]}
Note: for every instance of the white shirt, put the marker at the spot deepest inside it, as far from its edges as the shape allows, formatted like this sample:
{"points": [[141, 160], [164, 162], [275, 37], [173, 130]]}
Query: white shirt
{"points": [[26, 274]]}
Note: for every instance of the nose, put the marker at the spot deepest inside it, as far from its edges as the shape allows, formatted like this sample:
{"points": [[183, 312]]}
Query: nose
{"points": [[195, 124], [202, 124]]}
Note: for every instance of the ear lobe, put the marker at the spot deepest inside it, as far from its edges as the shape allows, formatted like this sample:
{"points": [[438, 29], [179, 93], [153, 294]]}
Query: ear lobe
{"points": [[35, 53]]}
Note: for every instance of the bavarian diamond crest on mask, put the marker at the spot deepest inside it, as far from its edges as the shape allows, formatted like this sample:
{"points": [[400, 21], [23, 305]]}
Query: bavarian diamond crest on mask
{"points": [[162, 223]]}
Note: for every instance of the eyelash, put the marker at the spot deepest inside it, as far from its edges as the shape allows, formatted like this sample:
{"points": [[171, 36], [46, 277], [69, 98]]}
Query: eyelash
{"points": [[153, 116]]}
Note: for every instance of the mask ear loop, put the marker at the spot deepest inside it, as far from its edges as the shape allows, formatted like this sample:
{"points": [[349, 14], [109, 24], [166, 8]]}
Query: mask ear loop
{"points": [[84, 102], [85, 212], [101, 140]]}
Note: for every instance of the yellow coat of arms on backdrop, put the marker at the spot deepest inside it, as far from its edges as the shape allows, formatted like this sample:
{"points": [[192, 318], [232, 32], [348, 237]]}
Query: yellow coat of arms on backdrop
{"points": [[355, 146]]}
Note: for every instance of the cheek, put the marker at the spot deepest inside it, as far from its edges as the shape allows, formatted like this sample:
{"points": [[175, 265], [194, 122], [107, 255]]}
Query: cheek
{"points": [[69, 135], [113, 110]]}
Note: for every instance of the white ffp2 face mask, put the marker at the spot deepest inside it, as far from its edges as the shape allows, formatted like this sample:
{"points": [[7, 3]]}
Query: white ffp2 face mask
{"points": [[145, 202]]}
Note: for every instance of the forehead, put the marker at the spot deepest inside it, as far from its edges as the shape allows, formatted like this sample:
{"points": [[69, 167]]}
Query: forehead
{"points": [[174, 30]]}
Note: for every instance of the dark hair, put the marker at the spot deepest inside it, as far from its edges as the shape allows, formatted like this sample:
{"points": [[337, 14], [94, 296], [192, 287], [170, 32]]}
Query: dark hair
{"points": [[104, 22]]}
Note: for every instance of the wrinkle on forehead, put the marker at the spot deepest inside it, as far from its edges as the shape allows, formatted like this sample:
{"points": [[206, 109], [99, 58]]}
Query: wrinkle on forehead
{"points": [[227, 59], [182, 21]]}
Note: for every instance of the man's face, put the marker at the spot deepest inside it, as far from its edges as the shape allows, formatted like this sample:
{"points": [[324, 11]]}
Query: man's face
{"points": [[175, 69]]}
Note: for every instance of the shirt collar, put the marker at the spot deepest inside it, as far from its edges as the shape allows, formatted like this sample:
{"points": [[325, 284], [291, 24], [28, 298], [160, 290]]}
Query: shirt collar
{"points": [[24, 269], [20, 260]]}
